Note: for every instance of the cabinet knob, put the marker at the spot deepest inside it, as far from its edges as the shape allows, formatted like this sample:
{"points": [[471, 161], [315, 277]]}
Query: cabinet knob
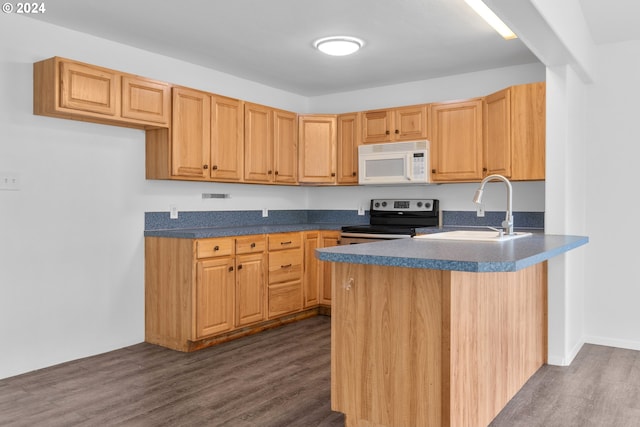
{"points": [[387, 132], [239, 267], [333, 174], [253, 245], [216, 248], [269, 172], [205, 166], [353, 174], [397, 131], [484, 169], [433, 171], [275, 173], [230, 268], [214, 167]]}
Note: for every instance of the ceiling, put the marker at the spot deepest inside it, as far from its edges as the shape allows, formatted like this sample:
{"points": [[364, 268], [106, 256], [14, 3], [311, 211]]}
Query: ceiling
{"points": [[271, 42]]}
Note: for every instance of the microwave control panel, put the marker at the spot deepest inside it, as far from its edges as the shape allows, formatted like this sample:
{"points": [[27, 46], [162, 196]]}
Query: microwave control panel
{"points": [[419, 165]]}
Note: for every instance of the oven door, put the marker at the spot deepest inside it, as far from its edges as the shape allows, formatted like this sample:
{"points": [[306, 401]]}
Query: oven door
{"points": [[356, 238]]}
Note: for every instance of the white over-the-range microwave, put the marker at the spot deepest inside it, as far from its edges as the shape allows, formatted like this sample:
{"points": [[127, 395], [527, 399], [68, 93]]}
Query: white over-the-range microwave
{"points": [[394, 163]]}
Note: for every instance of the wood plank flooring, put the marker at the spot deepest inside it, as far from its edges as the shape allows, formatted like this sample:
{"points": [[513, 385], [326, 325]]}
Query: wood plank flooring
{"points": [[279, 378]]}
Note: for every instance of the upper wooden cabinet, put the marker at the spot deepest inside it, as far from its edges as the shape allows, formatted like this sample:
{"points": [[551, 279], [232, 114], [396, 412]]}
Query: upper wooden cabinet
{"points": [[74, 90], [348, 142], [398, 124], [514, 132], [270, 143], [456, 141], [190, 133], [317, 137], [227, 139], [146, 100]]}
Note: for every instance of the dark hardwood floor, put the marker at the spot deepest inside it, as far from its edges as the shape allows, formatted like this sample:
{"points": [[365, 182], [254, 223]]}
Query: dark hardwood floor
{"points": [[281, 378]]}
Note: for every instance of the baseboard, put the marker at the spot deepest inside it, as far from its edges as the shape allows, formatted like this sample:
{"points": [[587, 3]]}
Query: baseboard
{"points": [[567, 359], [612, 342]]}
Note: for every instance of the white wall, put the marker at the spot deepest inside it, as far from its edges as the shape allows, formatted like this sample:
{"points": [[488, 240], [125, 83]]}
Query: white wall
{"points": [[71, 251], [612, 307]]}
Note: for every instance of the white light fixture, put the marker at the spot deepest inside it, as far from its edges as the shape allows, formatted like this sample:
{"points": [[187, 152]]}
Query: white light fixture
{"points": [[492, 19], [338, 45]]}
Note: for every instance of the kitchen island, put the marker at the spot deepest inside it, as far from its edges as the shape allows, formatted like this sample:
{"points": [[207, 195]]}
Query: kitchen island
{"points": [[437, 333]]}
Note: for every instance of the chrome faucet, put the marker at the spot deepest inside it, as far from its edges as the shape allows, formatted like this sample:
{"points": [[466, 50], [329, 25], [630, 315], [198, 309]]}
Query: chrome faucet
{"points": [[507, 224]]}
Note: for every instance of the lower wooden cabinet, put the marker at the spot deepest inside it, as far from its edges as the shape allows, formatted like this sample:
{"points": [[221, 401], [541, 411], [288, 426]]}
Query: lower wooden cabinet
{"points": [[317, 274], [202, 291]]}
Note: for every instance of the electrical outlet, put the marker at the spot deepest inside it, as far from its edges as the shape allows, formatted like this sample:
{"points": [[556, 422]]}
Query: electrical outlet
{"points": [[173, 212], [9, 181], [361, 210], [480, 210], [265, 212]]}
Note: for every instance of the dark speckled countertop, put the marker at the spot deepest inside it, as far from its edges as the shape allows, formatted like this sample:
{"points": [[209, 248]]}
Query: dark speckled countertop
{"points": [[456, 255]]}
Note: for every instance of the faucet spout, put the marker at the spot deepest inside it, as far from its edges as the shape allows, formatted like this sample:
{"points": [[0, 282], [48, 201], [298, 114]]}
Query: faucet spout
{"points": [[507, 224]]}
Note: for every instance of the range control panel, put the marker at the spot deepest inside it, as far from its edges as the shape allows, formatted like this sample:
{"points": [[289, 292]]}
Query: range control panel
{"points": [[404, 205]]}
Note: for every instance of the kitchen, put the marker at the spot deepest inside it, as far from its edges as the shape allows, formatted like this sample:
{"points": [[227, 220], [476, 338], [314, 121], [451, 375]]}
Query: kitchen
{"points": [[68, 180]]}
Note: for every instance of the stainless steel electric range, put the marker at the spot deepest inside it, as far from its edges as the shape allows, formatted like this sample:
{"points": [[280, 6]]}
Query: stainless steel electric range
{"points": [[393, 219]]}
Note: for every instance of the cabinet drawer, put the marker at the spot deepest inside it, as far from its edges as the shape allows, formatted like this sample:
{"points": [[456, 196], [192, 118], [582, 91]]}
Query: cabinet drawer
{"points": [[285, 266], [251, 244], [207, 248], [285, 241], [285, 298]]}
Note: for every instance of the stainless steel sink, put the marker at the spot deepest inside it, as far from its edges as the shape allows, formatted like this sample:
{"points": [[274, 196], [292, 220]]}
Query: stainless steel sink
{"points": [[473, 235]]}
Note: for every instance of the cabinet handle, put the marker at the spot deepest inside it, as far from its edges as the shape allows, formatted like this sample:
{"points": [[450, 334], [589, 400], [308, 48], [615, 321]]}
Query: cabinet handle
{"points": [[286, 266], [216, 248], [230, 268], [286, 243], [253, 245], [214, 167], [205, 166], [240, 267]]}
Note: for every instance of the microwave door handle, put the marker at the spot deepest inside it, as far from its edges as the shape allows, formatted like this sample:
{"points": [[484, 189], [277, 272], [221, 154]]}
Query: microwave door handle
{"points": [[409, 168]]}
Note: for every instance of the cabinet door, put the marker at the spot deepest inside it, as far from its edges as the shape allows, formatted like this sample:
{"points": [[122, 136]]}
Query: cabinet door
{"points": [[311, 278], [410, 123], [376, 126], [329, 239], [497, 134], [214, 296], [227, 138], [348, 142], [88, 88], [317, 136], [528, 131], [258, 143], [285, 147], [190, 133], [284, 298], [456, 141], [146, 100], [250, 287]]}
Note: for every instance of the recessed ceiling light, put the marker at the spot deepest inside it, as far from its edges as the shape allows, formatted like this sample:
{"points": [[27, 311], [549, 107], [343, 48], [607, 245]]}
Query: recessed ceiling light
{"points": [[492, 19], [338, 45]]}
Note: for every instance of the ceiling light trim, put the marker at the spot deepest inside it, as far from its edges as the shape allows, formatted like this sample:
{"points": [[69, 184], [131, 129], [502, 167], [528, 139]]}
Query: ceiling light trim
{"points": [[338, 45]]}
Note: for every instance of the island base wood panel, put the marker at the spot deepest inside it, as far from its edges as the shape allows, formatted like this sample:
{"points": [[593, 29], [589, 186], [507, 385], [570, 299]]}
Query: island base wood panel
{"points": [[416, 347]]}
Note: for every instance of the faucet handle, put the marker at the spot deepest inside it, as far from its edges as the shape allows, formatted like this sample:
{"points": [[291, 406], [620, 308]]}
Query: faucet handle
{"points": [[499, 230]]}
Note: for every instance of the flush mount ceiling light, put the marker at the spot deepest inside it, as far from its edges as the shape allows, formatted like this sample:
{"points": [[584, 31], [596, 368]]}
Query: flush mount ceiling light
{"points": [[338, 45], [492, 19]]}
